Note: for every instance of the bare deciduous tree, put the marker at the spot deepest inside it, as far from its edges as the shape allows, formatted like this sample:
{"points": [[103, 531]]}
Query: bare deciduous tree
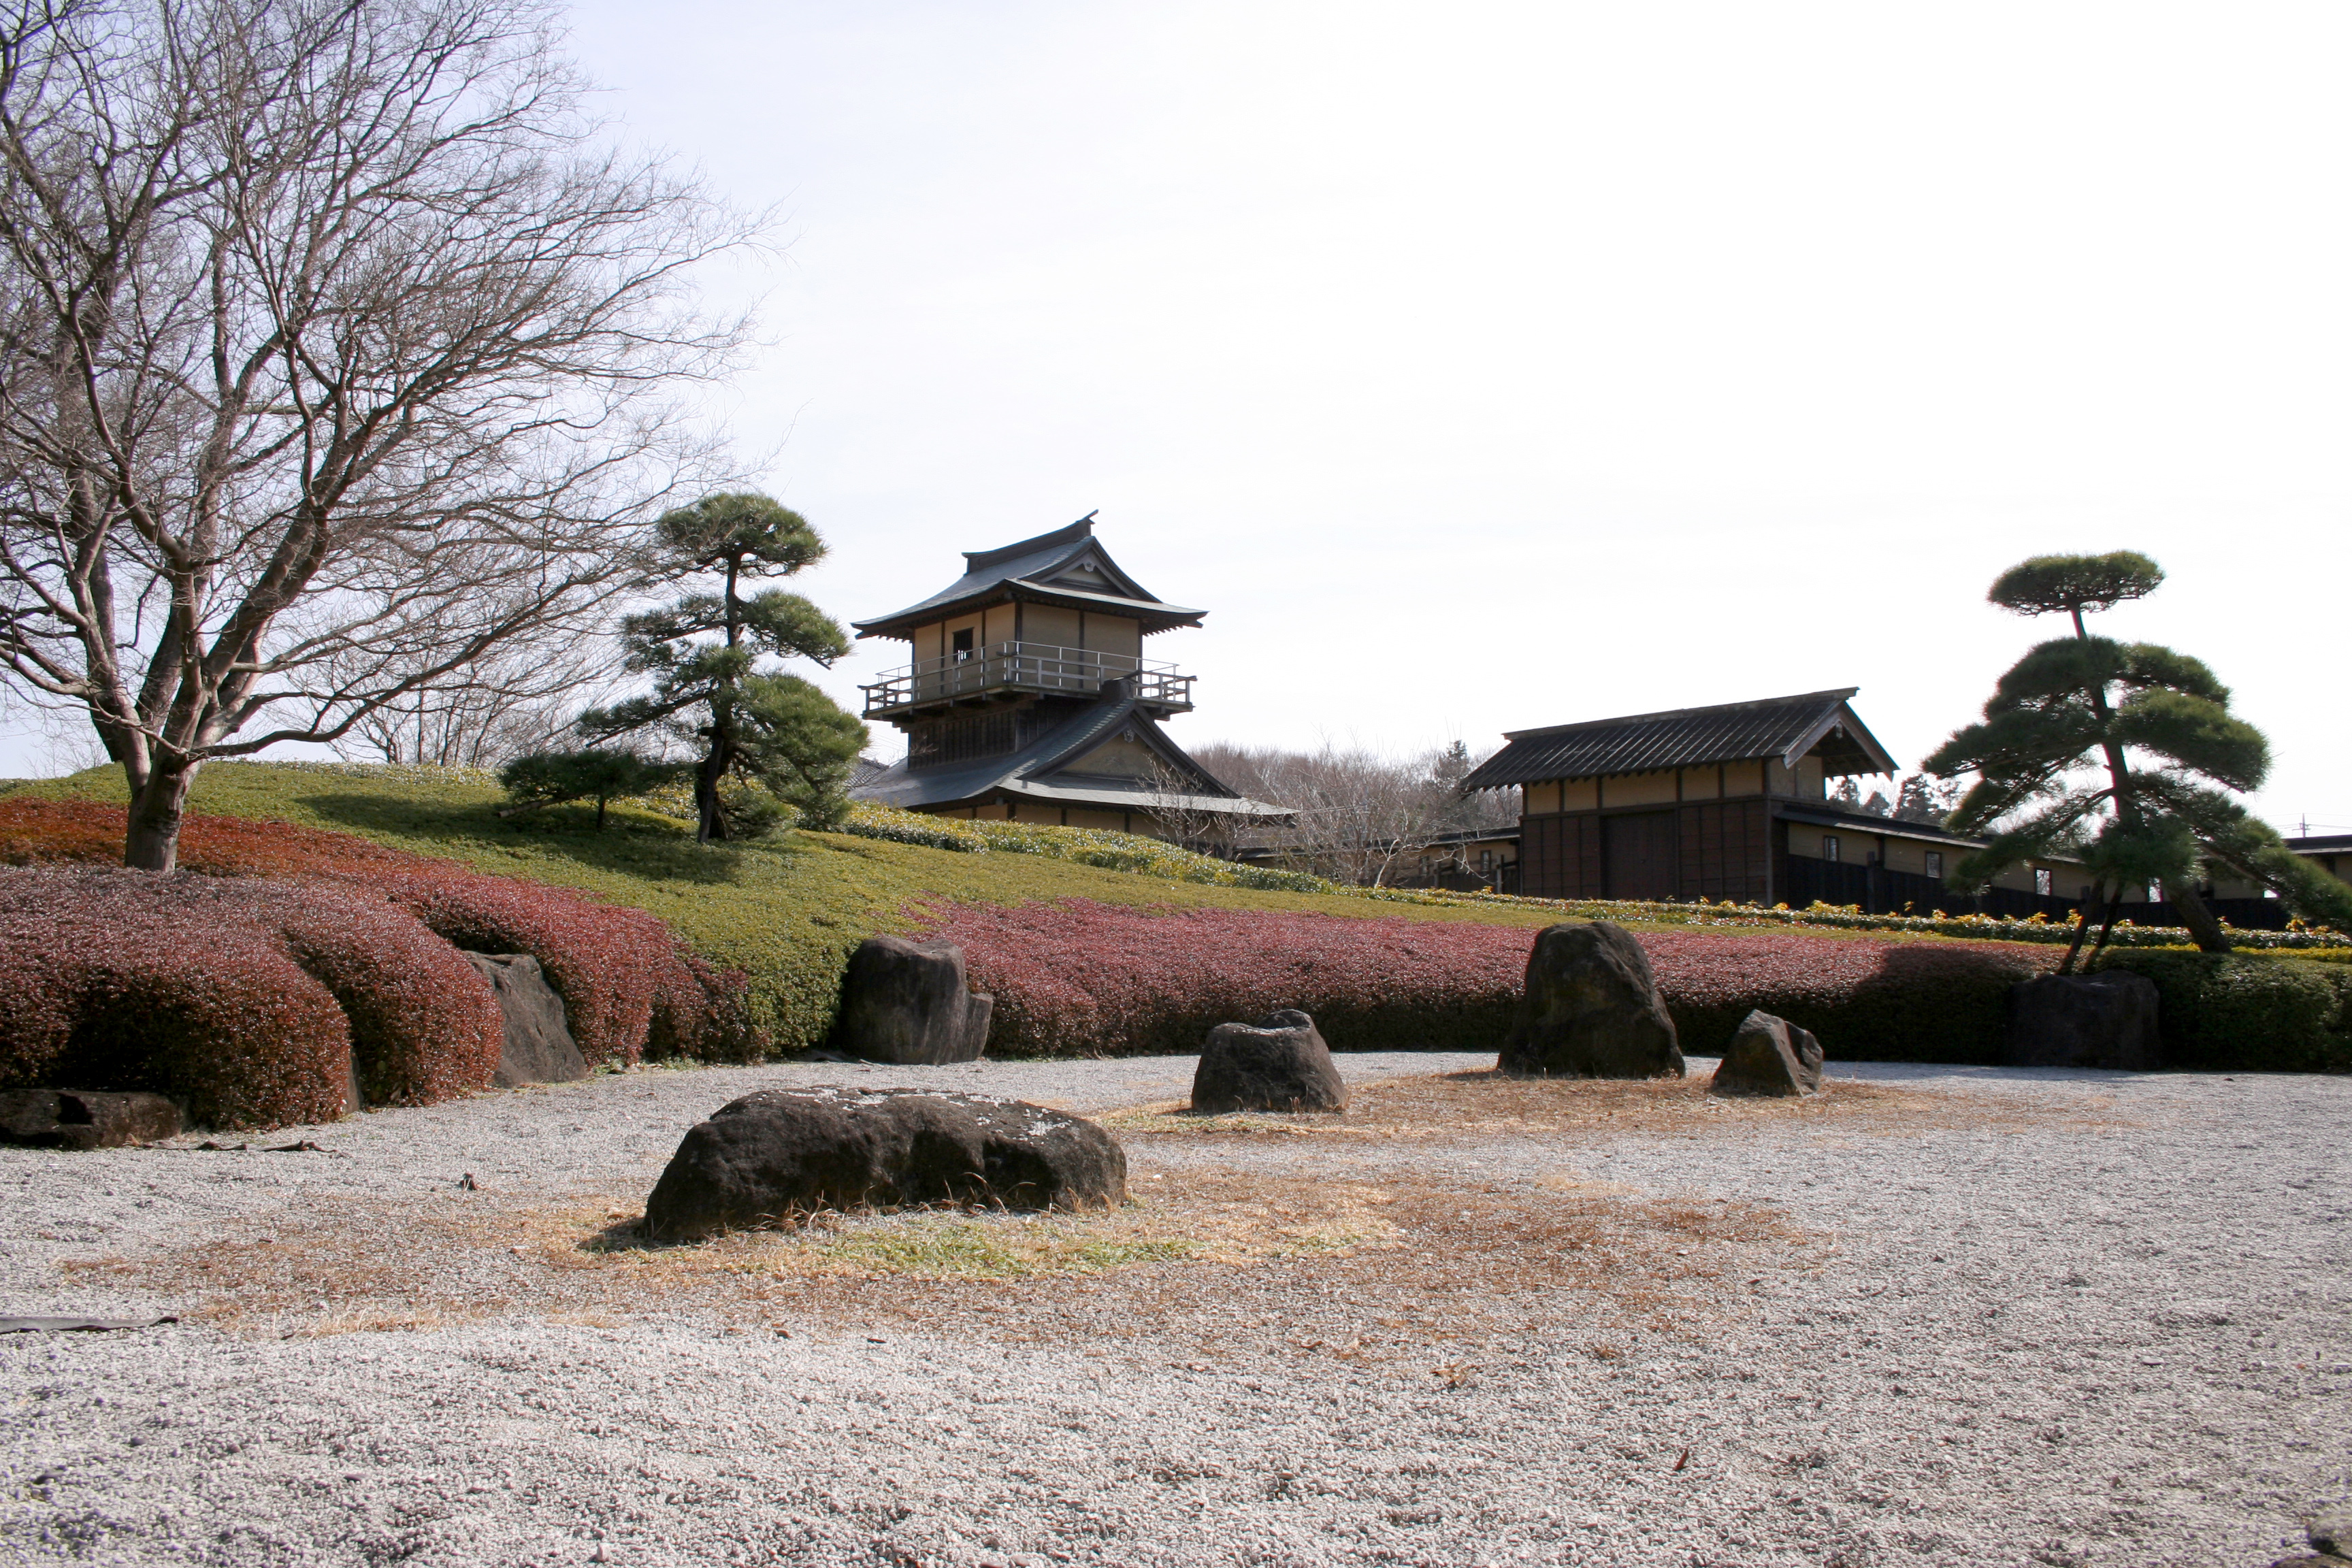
{"points": [[336, 351], [1183, 815], [523, 696], [1356, 816]]}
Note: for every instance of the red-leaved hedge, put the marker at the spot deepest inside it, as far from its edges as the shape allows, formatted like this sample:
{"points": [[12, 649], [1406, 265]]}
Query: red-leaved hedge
{"points": [[625, 980], [251, 1001], [1867, 1001], [1079, 978]]}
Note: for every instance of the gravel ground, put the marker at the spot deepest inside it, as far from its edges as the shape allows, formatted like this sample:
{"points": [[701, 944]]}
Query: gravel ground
{"points": [[1984, 1318]]}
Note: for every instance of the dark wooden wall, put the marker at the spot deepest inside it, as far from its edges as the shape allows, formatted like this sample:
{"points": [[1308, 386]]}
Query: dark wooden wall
{"points": [[1726, 850], [1714, 849], [1559, 856]]}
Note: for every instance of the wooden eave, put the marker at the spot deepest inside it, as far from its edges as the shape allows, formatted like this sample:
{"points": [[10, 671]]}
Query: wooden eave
{"points": [[1152, 615]]}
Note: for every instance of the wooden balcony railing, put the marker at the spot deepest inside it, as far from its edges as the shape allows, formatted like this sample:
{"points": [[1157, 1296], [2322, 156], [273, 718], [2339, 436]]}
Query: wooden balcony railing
{"points": [[1004, 668]]}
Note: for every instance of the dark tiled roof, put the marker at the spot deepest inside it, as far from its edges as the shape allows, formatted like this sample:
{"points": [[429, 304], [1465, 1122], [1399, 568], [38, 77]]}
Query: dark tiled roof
{"points": [[1033, 772], [1785, 728], [1019, 570], [2321, 843]]}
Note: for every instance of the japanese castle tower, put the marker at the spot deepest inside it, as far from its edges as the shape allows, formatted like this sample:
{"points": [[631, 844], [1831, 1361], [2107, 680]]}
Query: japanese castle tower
{"points": [[1029, 699]]}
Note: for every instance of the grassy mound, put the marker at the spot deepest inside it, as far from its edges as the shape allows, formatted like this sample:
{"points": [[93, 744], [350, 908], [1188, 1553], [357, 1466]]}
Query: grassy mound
{"points": [[783, 914]]}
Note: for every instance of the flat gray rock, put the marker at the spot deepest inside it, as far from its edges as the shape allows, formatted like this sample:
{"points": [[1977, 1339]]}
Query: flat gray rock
{"points": [[78, 1325], [85, 1118]]}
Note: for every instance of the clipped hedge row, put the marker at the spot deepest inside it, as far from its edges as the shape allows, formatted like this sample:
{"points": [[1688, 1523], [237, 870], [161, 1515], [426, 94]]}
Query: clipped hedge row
{"points": [[1077, 978], [1867, 1001], [251, 1001], [625, 981], [2319, 940], [2248, 1012]]}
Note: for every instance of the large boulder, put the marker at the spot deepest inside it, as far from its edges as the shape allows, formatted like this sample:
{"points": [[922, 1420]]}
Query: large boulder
{"points": [[907, 1003], [2103, 1020], [1279, 1063], [538, 1045], [783, 1152], [85, 1118], [1768, 1056], [1590, 1009]]}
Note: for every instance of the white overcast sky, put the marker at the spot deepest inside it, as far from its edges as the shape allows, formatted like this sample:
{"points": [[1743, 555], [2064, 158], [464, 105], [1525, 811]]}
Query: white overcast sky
{"points": [[1486, 367]]}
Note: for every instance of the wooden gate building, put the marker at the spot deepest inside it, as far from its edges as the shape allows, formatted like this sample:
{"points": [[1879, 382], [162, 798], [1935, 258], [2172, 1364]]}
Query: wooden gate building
{"points": [[1690, 804]]}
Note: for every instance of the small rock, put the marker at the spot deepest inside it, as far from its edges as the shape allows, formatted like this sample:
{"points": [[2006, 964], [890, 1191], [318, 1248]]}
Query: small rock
{"points": [[782, 1153], [2103, 1020], [539, 1047], [1590, 1009], [1279, 1063], [1769, 1055], [907, 1003], [84, 1118]]}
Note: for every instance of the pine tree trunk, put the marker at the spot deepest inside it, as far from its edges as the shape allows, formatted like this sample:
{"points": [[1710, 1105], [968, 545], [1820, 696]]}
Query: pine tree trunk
{"points": [[153, 842], [2107, 926], [2203, 929], [710, 822], [2082, 926]]}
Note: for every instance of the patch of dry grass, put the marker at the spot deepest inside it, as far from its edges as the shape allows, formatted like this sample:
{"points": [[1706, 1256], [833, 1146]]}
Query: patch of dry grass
{"points": [[1477, 1107], [1244, 1236]]}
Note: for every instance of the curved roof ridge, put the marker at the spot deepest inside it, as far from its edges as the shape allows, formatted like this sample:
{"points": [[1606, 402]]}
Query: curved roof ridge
{"points": [[1072, 533]]}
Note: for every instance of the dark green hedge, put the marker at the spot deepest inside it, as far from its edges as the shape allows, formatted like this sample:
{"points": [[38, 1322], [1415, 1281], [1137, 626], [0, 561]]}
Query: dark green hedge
{"points": [[2248, 1012]]}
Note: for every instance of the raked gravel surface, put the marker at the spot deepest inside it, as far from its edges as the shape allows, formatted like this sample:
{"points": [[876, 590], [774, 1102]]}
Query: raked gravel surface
{"points": [[2116, 1331]]}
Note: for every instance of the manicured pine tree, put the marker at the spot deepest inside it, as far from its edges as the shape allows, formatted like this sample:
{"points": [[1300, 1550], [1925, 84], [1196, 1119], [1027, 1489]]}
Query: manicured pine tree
{"points": [[2124, 754], [704, 652], [603, 775]]}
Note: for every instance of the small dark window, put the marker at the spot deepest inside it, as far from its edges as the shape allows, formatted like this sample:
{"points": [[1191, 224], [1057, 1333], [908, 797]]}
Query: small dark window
{"points": [[1828, 847], [962, 646], [1935, 862]]}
